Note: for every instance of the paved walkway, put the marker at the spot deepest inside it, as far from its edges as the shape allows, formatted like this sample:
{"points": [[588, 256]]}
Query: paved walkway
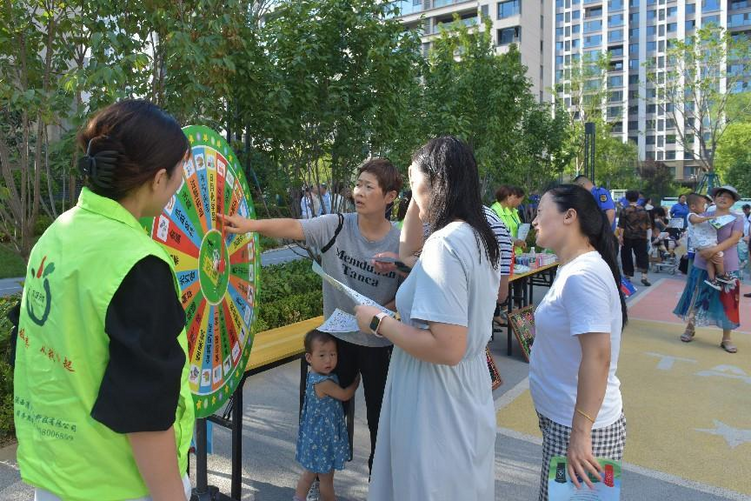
{"points": [[689, 425]]}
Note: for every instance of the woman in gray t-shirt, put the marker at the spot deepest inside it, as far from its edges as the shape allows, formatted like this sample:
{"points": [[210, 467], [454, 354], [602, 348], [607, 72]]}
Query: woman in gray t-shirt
{"points": [[348, 259]]}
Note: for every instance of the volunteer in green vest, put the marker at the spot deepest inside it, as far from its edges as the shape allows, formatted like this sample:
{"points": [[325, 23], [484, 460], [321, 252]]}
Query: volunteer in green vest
{"points": [[102, 405], [506, 206]]}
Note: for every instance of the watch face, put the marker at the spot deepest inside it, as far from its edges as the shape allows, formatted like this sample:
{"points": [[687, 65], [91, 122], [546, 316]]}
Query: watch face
{"points": [[374, 323]]}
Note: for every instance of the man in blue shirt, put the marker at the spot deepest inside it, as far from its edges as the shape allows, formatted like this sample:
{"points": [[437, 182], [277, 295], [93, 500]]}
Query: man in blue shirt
{"points": [[602, 196], [680, 209]]}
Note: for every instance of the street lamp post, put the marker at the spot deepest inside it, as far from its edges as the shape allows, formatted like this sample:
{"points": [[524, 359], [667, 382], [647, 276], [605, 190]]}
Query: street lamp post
{"points": [[589, 150]]}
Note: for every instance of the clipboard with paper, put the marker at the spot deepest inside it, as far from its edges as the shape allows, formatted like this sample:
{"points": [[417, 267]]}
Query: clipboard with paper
{"points": [[342, 321]]}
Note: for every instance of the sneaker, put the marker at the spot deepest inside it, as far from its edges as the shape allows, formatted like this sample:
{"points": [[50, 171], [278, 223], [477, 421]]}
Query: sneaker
{"points": [[726, 279], [314, 493], [645, 282], [713, 284]]}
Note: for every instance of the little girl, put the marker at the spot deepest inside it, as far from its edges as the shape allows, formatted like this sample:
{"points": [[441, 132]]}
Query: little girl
{"points": [[322, 442], [705, 236]]}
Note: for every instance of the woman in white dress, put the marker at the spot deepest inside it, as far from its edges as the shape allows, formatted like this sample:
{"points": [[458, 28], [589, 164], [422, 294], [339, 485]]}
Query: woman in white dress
{"points": [[436, 437]]}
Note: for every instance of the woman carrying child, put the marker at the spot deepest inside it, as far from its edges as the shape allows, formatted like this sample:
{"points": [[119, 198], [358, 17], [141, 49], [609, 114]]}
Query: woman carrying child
{"points": [[322, 442], [701, 304]]}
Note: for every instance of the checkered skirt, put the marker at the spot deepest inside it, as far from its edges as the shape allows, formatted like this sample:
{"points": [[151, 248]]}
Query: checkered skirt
{"points": [[607, 442]]}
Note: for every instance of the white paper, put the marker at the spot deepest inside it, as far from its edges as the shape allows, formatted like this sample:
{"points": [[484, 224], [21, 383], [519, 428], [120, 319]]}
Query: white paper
{"points": [[523, 231], [348, 291], [340, 322]]}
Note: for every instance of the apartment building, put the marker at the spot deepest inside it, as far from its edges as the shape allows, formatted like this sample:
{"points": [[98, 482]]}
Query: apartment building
{"points": [[526, 23], [633, 32]]}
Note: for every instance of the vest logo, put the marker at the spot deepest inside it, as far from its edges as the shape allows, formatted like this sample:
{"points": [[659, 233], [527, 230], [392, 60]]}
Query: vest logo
{"points": [[40, 300], [603, 198]]}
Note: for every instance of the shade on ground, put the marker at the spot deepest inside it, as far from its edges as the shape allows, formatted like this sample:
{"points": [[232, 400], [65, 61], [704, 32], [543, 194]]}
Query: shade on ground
{"points": [[688, 415]]}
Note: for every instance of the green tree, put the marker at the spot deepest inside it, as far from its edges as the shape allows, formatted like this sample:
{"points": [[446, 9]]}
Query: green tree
{"points": [[339, 76], [733, 159], [485, 98], [695, 87], [657, 179]]}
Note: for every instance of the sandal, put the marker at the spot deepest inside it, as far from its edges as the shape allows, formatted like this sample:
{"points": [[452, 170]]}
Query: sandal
{"points": [[728, 346], [688, 334]]}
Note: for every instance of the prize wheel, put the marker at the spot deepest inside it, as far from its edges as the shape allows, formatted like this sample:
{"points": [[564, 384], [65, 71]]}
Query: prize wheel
{"points": [[217, 272]]}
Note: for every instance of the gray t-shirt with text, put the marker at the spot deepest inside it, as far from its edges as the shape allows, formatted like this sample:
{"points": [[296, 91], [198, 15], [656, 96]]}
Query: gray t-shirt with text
{"points": [[348, 261]]}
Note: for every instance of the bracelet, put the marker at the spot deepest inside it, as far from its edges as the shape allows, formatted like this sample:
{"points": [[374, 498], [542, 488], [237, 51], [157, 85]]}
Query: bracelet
{"points": [[585, 415]]}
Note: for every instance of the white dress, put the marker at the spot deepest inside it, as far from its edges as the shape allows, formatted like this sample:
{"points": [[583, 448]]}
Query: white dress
{"points": [[436, 437]]}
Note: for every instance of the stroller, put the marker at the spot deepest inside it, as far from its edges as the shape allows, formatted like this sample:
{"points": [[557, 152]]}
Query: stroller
{"points": [[664, 257]]}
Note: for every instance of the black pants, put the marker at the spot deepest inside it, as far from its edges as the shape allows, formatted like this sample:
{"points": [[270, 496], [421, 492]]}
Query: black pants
{"points": [[373, 366], [639, 248]]}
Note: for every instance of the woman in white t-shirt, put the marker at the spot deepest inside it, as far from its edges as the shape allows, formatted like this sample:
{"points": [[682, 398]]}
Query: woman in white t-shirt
{"points": [[578, 336]]}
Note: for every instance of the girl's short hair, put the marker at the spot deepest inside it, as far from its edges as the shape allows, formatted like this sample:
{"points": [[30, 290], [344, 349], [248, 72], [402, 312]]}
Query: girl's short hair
{"points": [[134, 139], [316, 335]]}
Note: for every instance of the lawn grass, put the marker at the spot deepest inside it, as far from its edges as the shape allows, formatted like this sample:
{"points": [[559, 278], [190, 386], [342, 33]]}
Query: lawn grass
{"points": [[11, 264]]}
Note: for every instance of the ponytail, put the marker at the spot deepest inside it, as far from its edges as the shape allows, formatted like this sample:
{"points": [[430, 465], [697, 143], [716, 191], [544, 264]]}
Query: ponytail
{"points": [[607, 245]]}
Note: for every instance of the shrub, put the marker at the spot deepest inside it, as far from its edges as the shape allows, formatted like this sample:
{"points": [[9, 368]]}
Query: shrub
{"points": [[290, 292], [7, 428]]}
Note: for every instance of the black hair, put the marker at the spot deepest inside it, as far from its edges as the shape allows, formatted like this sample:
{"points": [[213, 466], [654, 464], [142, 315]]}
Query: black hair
{"points": [[746, 206], [632, 196], [506, 190], [694, 198], [136, 139], [593, 224], [316, 335], [454, 181], [581, 178], [403, 205]]}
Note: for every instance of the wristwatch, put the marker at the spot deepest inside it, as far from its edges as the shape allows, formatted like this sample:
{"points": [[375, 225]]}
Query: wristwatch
{"points": [[375, 323]]}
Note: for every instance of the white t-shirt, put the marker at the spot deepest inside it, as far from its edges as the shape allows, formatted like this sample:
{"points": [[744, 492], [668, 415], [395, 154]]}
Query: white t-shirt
{"points": [[582, 299]]}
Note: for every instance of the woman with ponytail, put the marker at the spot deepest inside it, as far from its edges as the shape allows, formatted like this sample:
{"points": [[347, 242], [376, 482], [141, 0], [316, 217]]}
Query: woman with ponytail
{"points": [[578, 336]]}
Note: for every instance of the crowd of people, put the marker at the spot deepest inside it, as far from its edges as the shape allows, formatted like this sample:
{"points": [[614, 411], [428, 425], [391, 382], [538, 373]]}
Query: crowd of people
{"points": [[428, 398]]}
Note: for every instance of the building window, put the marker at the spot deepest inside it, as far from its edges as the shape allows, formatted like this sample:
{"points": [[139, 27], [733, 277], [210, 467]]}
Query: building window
{"points": [[542, 22], [576, 29], [509, 35], [593, 41], [670, 155], [593, 12], [615, 36], [650, 140], [633, 64], [634, 47], [651, 108], [615, 20], [615, 96], [633, 33], [590, 26], [690, 8], [576, 15], [615, 81], [710, 5], [651, 14], [633, 79], [651, 31], [710, 19], [510, 8], [633, 19], [672, 11], [633, 125], [616, 51], [660, 141]]}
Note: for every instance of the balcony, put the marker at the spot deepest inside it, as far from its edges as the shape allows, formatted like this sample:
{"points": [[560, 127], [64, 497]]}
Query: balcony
{"points": [[407, 7]]}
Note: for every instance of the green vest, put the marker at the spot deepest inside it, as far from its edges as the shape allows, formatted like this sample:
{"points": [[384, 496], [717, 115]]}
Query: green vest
{"points": [[63, 351], [510, 218]]}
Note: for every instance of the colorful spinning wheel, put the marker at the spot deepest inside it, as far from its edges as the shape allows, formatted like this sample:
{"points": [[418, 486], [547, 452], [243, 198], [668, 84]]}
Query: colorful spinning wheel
{"points": [[217, 272]]}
